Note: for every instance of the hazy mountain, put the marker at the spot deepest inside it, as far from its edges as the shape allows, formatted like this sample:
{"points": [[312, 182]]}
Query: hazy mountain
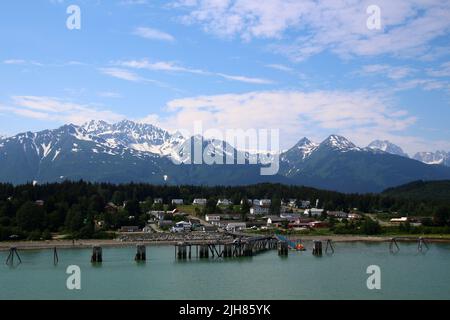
{"points": [[438, 157], [387, 146], [129, 151]]}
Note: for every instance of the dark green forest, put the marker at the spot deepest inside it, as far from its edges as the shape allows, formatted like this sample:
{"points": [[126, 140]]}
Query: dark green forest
{"points": [[35, 212]]}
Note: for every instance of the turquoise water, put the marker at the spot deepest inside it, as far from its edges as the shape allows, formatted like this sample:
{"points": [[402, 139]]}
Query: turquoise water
{"points": [[406, 275]]}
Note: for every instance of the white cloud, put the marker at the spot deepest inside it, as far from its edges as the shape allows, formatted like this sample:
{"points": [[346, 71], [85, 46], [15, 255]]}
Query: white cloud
{"points": [[14, 61], [280, 67], [133, 2], [443, 71], [174, 67], [55, 109], [314, 26], [392, 72], [22, 62], [153, 34], [296, 114], [122, 74], [109, 94]]}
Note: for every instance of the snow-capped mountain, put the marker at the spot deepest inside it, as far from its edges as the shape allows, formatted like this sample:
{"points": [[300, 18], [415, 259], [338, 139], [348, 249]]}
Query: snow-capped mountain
{"points": [[136, 136], [387, 146], [127, 151], [339, 143], [438, 157]]}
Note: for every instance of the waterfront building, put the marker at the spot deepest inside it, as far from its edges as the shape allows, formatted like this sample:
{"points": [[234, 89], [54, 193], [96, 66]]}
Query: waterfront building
{"points": [[129, 229]]}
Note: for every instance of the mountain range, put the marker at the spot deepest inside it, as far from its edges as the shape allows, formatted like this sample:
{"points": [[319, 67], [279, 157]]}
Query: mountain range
{"points": [[127, 151], [438, 157]]}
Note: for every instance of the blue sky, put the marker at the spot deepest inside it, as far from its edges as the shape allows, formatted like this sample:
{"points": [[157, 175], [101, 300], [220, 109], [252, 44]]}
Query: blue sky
{"points": [[308, 68]]}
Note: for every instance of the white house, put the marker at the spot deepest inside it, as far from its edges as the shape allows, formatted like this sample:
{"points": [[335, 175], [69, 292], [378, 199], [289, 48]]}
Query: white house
{"points": [[158, 200], [265, 202], [292, 203], [257, 210], [211, 218], [313, 212], [399, 220], [157, 214], [236, 226], [182, 226], [177, 201], [305, 204], [224, 202], [249, 201], [272, 220], [199, 202]]}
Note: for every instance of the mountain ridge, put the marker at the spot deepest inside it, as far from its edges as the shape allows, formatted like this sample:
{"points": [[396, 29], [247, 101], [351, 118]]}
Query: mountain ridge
{"points": [[128, 151]]}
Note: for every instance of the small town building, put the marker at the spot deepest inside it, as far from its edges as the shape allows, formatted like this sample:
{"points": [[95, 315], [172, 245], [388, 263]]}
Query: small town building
{"points": [[275, 220], [249, 202], [182, 226], [199, 202], [235, 226], [158, 200], [158, 215], [265, 202], [177, 201], [399, 220], [258, 210], [305, 204], [129, 229], [314, 212], [354, 216], [147, 229], [319, 224], [224, 202], [338, 214], [212, 218], [165, 223], [39, 203]]}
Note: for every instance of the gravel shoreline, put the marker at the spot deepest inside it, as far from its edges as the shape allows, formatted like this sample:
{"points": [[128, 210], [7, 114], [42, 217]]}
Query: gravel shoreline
{"points": [[127, 240]]}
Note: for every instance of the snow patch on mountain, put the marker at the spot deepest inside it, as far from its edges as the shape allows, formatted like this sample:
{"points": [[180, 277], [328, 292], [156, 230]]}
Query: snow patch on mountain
{"points": [[386, 146], [438, 157], [340, 143]]}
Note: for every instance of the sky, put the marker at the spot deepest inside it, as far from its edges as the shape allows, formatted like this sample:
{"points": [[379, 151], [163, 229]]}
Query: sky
{"points": [[366, 70]]}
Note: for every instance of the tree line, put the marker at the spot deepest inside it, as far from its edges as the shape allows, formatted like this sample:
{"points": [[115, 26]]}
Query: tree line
{"points": [[35, 212]]}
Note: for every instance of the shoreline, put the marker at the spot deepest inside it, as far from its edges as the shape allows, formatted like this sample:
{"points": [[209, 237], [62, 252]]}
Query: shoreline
{"points": [[89, 243]]}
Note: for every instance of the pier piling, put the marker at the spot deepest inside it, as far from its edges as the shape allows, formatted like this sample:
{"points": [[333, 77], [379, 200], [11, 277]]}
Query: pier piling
{"points": [[393, 246], [55, 256], [97, 255], [283, 248], [329, 248], [421, 244], [317, 248], [141, 254], [13, 252]]}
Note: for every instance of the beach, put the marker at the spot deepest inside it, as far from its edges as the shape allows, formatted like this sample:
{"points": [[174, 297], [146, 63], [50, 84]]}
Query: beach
{"points": [[126, 240]]}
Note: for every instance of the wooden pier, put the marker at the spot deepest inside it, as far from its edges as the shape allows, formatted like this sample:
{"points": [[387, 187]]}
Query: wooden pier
{"points": [[239, 247]]}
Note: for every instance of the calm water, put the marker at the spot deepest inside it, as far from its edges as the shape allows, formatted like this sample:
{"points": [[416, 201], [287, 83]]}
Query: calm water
{"points": [[406, 275]]}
